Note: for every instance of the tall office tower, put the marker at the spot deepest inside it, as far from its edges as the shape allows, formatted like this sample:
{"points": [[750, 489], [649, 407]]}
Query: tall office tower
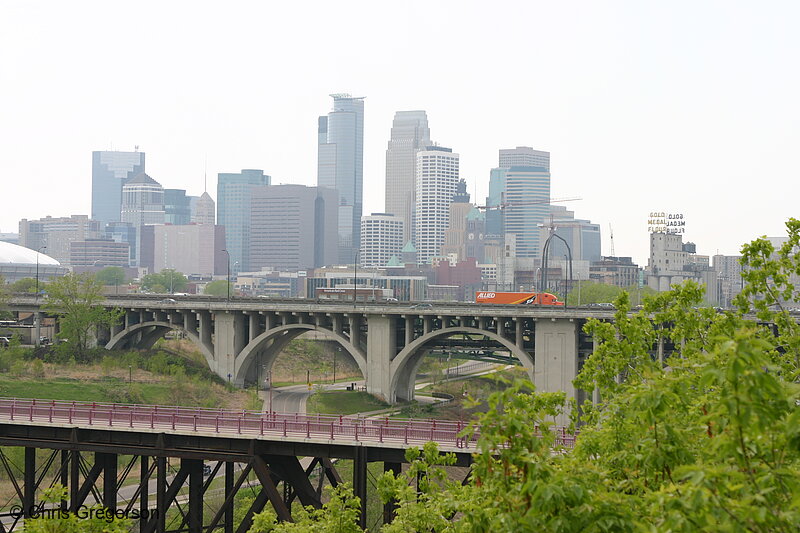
{"points": [[53, 236], [527, 196], [410, 134], [495, 201], [233, 212], [456, 232], [203, 209], [340, 166], [292, 227], [436, 179], [142, 205], [110, 171], [122, 232], [190, 249], [582, 236], [177, 208], [524, 156], [381, 238]]}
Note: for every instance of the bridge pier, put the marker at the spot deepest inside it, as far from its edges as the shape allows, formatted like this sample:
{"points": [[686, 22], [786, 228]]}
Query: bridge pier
{"points": [[381, 349], [556, 358]]}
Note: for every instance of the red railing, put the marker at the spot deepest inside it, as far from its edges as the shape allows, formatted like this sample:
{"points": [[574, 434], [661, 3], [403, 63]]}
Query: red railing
{"points": [[229, 422]]}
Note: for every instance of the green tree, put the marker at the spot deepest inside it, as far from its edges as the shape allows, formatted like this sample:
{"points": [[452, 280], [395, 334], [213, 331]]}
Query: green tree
{"points": [[111, 276], [218, 288], [26, 285], [706, 438], [590, 292], [76, 300], [168, 280]]}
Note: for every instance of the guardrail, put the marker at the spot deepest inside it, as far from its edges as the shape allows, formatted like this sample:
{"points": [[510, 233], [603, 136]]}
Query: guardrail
{"points": [[229, 422], [247, 423]]}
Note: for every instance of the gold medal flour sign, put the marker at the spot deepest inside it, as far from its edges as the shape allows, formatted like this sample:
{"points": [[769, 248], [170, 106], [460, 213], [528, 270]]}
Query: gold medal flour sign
{"points": [[664, 222]]}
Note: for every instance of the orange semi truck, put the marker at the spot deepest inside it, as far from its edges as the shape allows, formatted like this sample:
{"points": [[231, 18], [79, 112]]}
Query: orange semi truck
{"points": [[522, 298]]}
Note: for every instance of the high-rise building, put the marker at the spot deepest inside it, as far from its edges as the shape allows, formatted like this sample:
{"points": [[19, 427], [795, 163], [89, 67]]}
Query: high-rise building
{"points": [[177, 208], [524, 156], [436, 179], [292, 227], [233, 212], [54, 235], [340, 166], [203, 209], [142, 205], [122, 232], [527, 197], [192, 249], [381, 238], [455, 234], [410, 134], [94, 254], [582, 237], [110, 171]]}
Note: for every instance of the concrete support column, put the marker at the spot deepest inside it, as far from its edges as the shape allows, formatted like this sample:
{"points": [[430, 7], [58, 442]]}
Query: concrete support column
{"points": [[355, 329], [206, 328], [409, 330], [427, 324], [190, 322], [381, 349], [556, 363], [337, 323], [118, 327], [270, 320], [129, 319], [482, 320], [518, 338], [227, 327], [500, 329], [255, 325]]}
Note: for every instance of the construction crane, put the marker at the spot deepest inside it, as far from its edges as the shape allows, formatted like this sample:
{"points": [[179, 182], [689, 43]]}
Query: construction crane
{"points": [[611, 231], [511, 205]]}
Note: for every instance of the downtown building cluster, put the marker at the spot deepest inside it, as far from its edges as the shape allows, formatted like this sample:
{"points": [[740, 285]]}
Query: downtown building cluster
{"points": [[431, 241]]}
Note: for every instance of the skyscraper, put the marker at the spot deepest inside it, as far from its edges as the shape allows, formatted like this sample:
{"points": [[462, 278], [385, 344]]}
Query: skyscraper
{"points": [[436, 179], [142, 205], [203, 209], [177, 207], [293, 227], [233, 212], [381, 238], [340, 166], [524, 156], [110, 171], [527, 206], [410, 133]]}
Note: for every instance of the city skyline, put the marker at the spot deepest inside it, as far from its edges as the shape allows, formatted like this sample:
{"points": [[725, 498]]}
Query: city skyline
{"points": [[635, 120]]}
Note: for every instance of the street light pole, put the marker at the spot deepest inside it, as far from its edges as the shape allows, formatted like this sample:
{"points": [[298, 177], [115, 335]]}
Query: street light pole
{"points": [[229, 273], [37, 269]]}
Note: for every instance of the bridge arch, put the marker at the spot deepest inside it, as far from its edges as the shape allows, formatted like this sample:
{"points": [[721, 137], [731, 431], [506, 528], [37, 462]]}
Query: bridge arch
{"points": [[406, 362], [280, 337], [150, 332]]}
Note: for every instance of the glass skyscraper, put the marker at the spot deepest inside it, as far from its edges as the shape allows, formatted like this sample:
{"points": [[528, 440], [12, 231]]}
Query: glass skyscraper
{"points": [[110, 171], [527, 204], [233, 212], [410, 134], [340, 166]]}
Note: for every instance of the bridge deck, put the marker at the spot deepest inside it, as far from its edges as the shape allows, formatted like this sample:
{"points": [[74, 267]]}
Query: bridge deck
{"points": [[381, 432]]}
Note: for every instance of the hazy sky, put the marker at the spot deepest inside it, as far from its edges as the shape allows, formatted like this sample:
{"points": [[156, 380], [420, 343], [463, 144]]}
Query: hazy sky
{"points": [[682, 106]]}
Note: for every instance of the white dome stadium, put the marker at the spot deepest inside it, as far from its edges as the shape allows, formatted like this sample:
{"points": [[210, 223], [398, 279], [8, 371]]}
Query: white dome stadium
{"points": [[11, 254], [18, 262]]}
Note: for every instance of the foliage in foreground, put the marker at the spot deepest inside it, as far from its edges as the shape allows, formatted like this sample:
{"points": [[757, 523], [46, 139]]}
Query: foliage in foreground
{"points": [[704, 439], [75, 299]]}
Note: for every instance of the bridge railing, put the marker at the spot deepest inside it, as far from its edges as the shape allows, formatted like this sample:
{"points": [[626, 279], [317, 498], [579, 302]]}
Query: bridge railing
{"points": [[249, 423]]}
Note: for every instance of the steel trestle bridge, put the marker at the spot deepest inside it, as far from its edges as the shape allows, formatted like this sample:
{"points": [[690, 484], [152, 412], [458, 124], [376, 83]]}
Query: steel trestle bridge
{"points": [[94, 448]]}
